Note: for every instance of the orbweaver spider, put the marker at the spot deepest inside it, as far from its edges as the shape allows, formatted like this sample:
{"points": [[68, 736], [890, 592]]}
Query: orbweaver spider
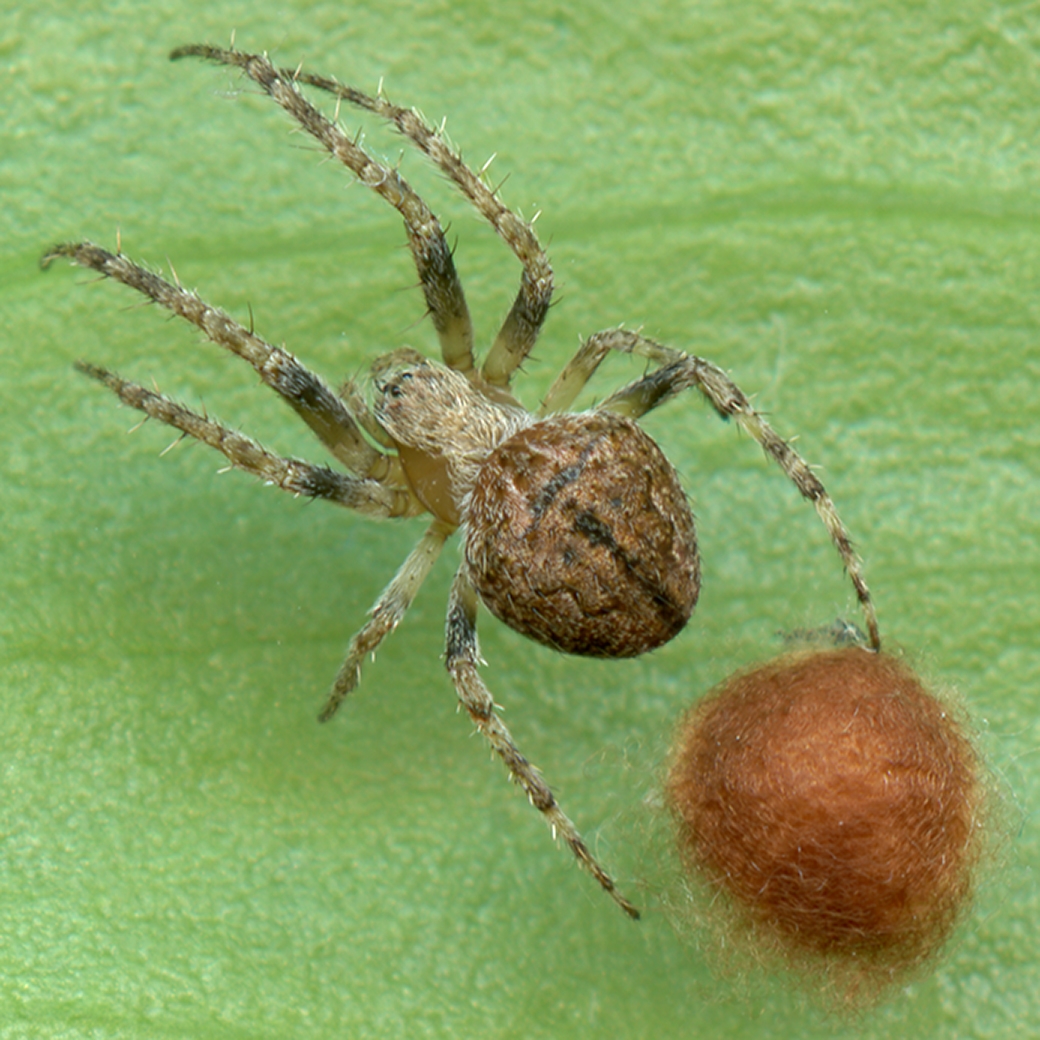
{"points": [[576, 531]]}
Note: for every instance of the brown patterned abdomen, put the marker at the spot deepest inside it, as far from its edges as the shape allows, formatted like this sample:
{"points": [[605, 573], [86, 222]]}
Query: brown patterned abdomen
{"points": [[580, 537]]}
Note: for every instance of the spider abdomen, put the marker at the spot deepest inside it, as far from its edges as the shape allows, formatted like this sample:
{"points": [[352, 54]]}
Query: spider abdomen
{"points": [[580, 536]]}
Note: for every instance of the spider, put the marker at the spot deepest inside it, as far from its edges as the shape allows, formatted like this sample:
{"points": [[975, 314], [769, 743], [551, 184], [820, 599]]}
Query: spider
{"points": [[576, 531]]}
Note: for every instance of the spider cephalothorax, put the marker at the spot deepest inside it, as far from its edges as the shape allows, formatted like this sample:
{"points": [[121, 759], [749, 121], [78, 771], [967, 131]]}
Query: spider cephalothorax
{"points": [[577, 532]]}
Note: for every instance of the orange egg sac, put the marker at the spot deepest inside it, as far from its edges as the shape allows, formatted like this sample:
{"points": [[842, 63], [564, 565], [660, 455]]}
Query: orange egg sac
{"points": [[835, 805]]}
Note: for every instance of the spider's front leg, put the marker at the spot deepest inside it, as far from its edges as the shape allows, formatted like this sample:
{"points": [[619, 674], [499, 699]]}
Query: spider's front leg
{"points": [[369, 497], [463, 657], [433, 257], [430, 250], [322, 410], [519, 332]]}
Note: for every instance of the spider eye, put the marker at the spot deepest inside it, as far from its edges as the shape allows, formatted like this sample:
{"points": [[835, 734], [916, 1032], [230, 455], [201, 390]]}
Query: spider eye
{"points": [[395, 389]]}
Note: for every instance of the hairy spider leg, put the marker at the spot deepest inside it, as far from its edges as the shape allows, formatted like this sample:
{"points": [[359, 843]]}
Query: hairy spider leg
{"points": [[445, 299], [676, 372], [387, 613], [300, 478], [304, 391], [520, 330], [522, 325], [574, 375], [463, 657], [681, 371], [323, 412], [587, 359]]}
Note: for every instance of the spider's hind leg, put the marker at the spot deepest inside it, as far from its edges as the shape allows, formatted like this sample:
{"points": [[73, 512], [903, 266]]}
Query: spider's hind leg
{"points": [[587, 359], [677, 372], [463, 656]]}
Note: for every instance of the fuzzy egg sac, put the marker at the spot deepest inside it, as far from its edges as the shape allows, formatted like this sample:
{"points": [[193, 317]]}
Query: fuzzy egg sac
{"points": [[832, 807]]}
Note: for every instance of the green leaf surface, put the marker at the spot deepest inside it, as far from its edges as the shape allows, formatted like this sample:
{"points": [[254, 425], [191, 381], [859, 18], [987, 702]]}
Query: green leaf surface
{"points": [[836, 202]]}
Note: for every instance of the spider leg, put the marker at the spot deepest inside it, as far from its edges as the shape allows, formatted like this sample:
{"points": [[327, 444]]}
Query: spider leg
{"points": [[430, 250], [681, 371], [463, 657], [444, 295], [574, 375], [305, 392], [589, 356], [391, 606], [520, 330], [301, 478]]}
